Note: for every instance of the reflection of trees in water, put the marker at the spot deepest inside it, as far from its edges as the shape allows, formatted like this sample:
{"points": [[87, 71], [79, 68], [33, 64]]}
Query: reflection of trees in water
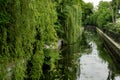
{"points": [[111, 76], [113, 64], [68, 63], [110, 58], [114, 69]]}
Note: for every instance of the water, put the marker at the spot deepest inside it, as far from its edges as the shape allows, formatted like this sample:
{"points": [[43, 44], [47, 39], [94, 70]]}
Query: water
{"points": [[98, 64], [92, 67], [91, 63]]}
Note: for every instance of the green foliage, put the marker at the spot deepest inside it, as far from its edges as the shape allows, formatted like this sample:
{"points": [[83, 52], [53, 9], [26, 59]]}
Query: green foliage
{"points": [[26, 26], [103, 5], [104, 14], [100, 17], [87, 10], [70, 20], [104, 18], [19, 70], [51, 57], [115, 6], [4, 18], [113, 27], [51, 64], [3, 68], [36, 69]]}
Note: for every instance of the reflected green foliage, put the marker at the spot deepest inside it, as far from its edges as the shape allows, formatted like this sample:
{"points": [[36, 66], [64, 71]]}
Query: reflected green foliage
{"points": [[107, 56], [68, 65]]}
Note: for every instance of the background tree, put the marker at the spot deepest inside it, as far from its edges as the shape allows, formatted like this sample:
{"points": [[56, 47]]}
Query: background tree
{"points": [[69, 18], [87, 10], [101, 16], [104, 14]]}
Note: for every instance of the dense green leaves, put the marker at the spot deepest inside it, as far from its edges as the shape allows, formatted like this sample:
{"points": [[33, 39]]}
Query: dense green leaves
{"points": [[70, 20], [27, 27], [100, 17], [87, 10]]}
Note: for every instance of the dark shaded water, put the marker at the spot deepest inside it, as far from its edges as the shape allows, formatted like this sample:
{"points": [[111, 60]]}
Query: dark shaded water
{"points": [[93, 63]]}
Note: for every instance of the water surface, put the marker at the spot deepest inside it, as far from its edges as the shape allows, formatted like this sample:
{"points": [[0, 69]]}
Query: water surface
{"points": [[92, 63], [92, 67], [98, 64]]}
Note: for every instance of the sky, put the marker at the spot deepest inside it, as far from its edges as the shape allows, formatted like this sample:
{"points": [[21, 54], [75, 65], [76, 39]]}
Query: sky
{"points": [[95, 2]]}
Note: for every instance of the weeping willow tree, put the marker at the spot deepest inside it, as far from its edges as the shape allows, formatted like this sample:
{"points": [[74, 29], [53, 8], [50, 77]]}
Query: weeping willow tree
{"points": [[25, 26], [70, 20]]}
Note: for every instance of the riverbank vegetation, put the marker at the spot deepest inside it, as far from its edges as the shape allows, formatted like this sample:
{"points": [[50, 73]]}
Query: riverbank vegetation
{"points": [[106, 17], [29, 32]]}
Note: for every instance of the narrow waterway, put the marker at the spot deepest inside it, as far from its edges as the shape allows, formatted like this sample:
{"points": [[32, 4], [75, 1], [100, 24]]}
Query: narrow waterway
{"points": [[92, 67], [92, 62], [97, 64]]}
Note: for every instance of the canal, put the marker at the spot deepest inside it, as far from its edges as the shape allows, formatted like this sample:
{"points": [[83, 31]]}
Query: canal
{"points": [[89, 61]]}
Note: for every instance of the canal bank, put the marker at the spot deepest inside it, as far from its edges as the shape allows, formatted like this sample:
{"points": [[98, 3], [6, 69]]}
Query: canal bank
{"points": [[88, 60], [97, 64]]}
